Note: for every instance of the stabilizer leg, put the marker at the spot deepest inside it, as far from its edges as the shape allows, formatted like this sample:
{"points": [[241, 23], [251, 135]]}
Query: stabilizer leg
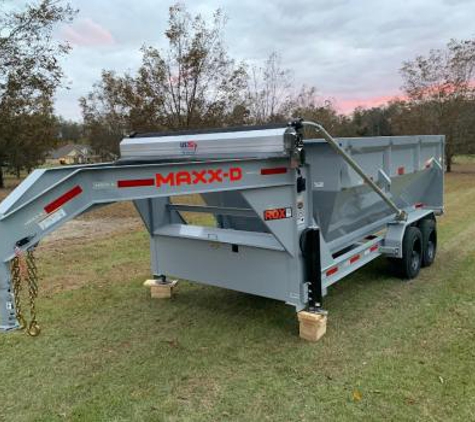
{"points": [[313, 323], [8, 319]]}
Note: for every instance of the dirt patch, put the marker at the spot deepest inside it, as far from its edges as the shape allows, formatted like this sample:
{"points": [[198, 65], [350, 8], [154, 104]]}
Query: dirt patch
{"points": [[93, 229], [118, 210], [462, 169], [102, 223]]}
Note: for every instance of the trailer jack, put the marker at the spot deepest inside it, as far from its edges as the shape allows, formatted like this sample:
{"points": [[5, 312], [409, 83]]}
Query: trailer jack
{"points": [[310, 248]]}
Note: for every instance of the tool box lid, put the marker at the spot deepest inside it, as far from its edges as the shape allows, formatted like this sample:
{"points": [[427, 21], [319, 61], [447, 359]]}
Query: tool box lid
{"points": [[247, 141]]}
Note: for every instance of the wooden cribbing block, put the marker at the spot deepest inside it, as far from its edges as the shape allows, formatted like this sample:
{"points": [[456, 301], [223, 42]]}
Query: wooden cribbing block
{"points": [[160, 290], [312, 326]]}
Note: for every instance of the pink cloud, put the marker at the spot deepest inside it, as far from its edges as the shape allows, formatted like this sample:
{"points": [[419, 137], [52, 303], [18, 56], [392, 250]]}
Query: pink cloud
{"points": [[346, 106], [86, 32]]}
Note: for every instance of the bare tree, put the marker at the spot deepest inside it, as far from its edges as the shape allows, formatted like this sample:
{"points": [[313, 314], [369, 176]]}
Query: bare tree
{"points": [[440, 87], [269, 90]]}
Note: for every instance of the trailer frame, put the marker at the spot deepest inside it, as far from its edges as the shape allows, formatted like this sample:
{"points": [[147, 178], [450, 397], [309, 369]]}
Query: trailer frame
{"points": [[288, 258]]}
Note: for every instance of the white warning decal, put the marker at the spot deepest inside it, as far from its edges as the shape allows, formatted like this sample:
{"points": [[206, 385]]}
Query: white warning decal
{"points": [[103, 185], [52, 219]]}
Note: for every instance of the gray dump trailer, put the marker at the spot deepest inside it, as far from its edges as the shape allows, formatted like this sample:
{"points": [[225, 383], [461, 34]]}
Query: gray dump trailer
{"points": [[295, 210]]}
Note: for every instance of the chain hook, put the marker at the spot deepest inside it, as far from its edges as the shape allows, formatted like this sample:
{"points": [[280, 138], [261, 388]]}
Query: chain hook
{"points": [[24, 268], [34, 329]]}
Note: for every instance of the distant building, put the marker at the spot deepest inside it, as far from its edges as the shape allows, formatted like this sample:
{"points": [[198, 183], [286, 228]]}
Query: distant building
{"points": [[71, 154]]}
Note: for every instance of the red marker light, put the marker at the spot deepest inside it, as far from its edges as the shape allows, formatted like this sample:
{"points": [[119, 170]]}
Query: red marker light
{"points": [[275, 170]]}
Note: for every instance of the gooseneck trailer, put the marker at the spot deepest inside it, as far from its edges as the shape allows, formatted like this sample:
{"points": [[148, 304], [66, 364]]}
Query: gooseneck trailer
{"points": [[295, 210]]}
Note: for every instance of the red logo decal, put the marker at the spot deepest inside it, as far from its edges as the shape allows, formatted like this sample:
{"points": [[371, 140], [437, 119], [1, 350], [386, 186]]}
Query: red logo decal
{"points": [[201, 177], [277, 214], [188, 147]]}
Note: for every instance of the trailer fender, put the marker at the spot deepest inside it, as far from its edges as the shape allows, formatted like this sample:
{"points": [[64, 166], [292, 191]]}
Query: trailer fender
{"points": [[392, 244]]}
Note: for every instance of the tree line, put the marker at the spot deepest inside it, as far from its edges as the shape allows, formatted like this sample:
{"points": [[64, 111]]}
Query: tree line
{"points": [[195, 83]]}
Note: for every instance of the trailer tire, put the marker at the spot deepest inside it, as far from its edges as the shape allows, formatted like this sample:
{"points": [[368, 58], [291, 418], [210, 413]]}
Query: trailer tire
{"points": [[409, 265], [428, 229]]}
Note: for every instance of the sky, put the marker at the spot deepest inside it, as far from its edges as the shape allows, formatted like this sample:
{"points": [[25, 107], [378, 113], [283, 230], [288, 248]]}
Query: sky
{"points": [[350, 50]]}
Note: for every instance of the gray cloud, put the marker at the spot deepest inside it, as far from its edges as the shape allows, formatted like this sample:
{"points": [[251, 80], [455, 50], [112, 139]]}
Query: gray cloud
{"points": [[350, 50]]}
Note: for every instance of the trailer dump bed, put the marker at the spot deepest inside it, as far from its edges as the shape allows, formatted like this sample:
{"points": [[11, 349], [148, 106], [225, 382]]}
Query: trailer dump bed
{"points": [[401, 167], [291, 216]]}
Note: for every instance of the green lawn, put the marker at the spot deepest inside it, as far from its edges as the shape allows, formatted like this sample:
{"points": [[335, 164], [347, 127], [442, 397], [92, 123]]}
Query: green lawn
{"points": [[108, 352]]}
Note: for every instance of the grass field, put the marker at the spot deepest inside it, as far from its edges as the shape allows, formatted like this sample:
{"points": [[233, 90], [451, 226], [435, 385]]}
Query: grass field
{"points": [[394, 351]]}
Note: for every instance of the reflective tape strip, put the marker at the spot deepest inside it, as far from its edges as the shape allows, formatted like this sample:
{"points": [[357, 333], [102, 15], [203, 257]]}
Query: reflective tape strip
{"points": [[275, 170], [137, 183], [63, 199]]}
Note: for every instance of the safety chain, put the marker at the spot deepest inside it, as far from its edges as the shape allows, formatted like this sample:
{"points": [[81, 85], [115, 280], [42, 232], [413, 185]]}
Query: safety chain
{"points": [[16, 281], [24, 269]]}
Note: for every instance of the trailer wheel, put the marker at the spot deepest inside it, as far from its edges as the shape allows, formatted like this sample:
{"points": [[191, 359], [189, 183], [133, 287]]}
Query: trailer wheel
{"points": [[409, 265], [428, 229]]}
